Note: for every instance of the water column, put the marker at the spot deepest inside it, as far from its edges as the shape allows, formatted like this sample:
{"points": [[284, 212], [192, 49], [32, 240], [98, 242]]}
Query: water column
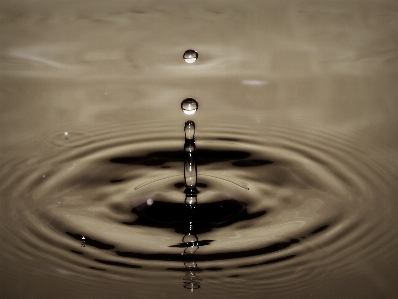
{"points": [[190, 175]]}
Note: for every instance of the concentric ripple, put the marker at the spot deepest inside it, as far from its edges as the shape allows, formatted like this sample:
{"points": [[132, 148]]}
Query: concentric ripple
{"points": [[296, 198]]}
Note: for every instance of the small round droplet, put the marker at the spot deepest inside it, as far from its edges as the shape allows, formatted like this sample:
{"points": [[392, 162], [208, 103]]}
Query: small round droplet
{"points": [[189, 106], [149, 201], [190, 56], [66, 133]]}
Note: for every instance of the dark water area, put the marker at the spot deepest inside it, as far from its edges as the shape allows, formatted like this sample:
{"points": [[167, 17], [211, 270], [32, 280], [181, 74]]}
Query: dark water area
{"points": [[210, 149], [204, 157]]}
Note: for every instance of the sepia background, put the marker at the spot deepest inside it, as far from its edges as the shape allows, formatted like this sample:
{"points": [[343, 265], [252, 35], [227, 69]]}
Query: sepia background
{"points": [[297, 121]]}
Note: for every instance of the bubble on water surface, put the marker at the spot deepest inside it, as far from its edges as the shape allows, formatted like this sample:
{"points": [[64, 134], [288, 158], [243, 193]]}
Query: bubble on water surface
{"points": [[190, 56], [189, 106]]}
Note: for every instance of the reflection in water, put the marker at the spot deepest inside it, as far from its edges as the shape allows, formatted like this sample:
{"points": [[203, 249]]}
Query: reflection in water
{"points": [[190, 171], [66, 134], [191, 281]]}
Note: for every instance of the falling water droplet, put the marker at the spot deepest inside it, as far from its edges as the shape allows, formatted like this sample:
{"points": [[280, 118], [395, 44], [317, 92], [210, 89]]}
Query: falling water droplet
{"points": [[190, 56], [189, 106]]}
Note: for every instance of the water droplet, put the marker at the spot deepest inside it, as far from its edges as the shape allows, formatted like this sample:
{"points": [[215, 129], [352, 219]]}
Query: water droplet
{"points": [[189, 106], [149, 202], [66, 133], [189, 129], [190, 56]]}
